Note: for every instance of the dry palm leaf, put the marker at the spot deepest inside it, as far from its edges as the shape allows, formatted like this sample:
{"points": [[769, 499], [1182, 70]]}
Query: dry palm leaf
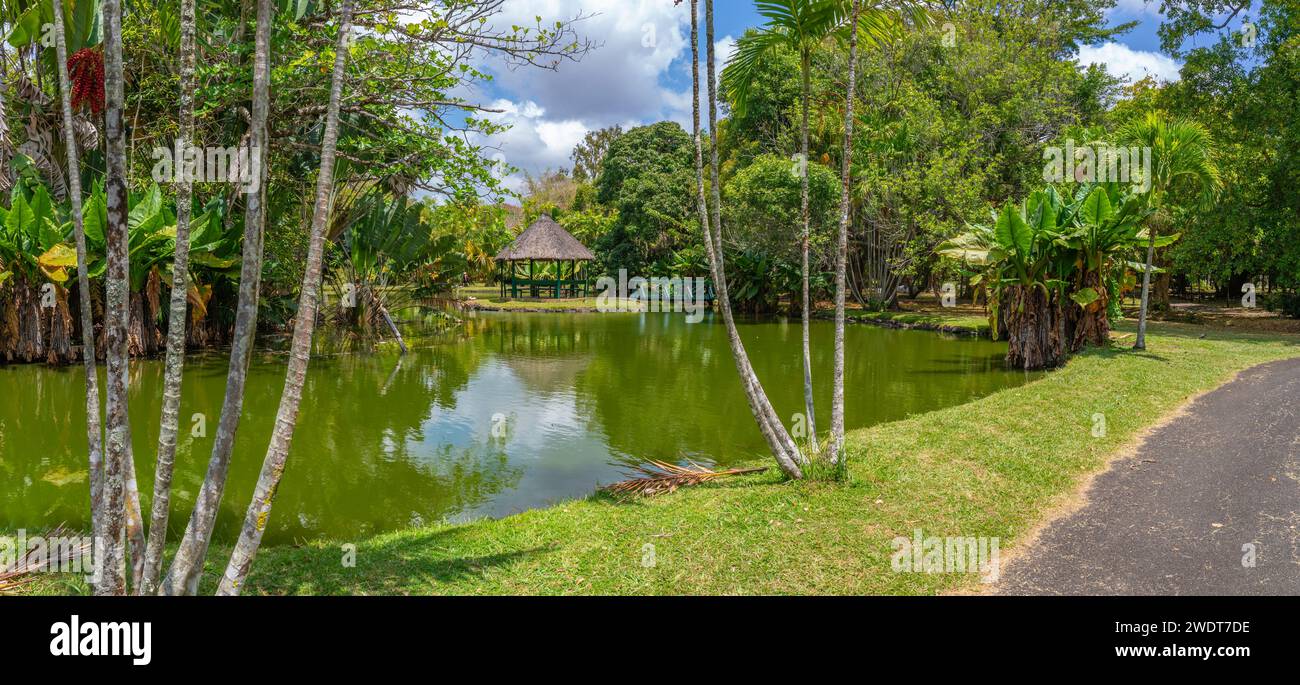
{"points": [[659, 477], [23, 571], [12, 581]]}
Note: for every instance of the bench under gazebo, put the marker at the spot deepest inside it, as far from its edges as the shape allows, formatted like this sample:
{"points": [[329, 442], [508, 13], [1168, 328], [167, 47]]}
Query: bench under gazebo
{"points": [[522, 265]]}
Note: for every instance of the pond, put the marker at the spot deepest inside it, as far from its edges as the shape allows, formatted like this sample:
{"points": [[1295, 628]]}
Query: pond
{"points": [[503, 413]]}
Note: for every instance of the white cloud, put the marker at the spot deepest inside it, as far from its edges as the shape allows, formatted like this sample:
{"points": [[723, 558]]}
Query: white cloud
{"points": [[644, 47], [534, 142], [1133, 65], [620, 80], [725, 50]]}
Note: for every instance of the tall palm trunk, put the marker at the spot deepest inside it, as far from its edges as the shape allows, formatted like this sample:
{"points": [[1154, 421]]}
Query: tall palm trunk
{"points": [[836, 446], [1141, 343], [94, 435], [286, 419], [117, 284], [784, 449], [134, 520], [809, 409], [183, 578], [162, 485]]}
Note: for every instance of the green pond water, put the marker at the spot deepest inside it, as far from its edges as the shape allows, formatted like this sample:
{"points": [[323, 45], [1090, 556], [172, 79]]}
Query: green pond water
{"points": [[503, 413]]}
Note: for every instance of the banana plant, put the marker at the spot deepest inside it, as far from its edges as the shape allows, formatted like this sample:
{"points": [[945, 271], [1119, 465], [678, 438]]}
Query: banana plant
{"points": [[32, 243], [1026, 265], [34, 266], [1104, 226]]}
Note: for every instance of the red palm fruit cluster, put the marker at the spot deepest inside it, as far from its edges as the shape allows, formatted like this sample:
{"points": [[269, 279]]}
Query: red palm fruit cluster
{"points": [[86, 69]]}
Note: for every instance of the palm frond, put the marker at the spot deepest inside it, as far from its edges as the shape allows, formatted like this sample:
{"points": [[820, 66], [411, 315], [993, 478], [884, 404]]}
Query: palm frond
{"points": [[802, 24], [741, 71], [660, 478], [21, 572], [1181, 149]]}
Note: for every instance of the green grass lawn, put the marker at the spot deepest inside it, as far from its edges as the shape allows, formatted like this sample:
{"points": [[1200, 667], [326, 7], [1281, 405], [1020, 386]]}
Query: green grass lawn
{"points": [[989, 468], [489, 297], [957, 321]]}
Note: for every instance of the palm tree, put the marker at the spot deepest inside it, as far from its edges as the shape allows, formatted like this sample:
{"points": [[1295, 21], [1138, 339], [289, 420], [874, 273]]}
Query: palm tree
{"points": [[802, 26], [183, 577], [93, 429], [250, 537], [784, 449], [1182, 151], [111, 565], [176, 321], [842, 246]]}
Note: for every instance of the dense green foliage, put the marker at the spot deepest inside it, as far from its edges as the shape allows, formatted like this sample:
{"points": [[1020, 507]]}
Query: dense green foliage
{"points": [[647, 176]]}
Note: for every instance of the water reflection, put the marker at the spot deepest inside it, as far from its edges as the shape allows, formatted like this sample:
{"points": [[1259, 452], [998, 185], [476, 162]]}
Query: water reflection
{"points": [[503, 413]]}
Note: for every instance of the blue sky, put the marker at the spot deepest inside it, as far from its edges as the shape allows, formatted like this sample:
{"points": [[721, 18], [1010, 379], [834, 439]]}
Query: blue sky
{"points": [[641, 73]]}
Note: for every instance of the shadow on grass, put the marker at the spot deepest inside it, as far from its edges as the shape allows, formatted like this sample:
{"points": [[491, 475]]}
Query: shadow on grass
{"points": [[386, 565], [1187, 331]]}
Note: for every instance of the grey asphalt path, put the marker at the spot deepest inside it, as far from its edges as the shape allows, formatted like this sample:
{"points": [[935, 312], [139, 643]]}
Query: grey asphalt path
{"points": [[1175, 518]]}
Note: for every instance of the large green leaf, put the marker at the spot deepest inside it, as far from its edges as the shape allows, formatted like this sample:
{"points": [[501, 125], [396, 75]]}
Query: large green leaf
{"points": [[1085, 297], [1012, 232], [50, 233], [85, 25], [27, 28], [146, 211], [21, 219], [94, 217], [41, 205], [1097, 209], [212, 261]]}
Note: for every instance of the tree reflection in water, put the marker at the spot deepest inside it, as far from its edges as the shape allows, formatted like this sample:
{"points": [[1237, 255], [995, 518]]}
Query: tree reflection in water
{"points": [[502, 413]]}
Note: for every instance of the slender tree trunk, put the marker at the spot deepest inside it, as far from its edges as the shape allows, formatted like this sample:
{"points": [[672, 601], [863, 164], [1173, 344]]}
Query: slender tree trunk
{"points": [[94, 433], [809, 409], [836, 446], [176, 320], [134, 519], [1163, 280], [286, 419], [783, 447], [1141, 343], [117, 283], [183, 578]]}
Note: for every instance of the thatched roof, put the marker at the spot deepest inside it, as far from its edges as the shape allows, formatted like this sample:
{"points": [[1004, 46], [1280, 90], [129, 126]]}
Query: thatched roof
{"points": [[546, 240]]}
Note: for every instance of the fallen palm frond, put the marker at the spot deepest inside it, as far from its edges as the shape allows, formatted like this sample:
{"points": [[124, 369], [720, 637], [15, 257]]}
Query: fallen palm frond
{"points": [[660, 477], [36, 559], [11, 582]]}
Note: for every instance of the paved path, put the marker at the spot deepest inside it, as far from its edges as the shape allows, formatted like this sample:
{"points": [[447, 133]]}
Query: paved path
{"points": [[1173, 518]]}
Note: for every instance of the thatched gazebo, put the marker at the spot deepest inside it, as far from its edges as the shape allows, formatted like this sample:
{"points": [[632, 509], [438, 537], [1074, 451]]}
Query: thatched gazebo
{"points": [[545, 242]]}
